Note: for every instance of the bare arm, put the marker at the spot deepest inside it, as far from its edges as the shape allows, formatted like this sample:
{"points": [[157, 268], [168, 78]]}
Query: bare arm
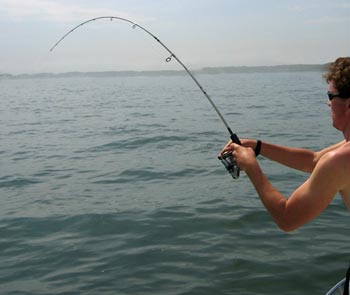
{"points": [[297, 158], [307, 201]]}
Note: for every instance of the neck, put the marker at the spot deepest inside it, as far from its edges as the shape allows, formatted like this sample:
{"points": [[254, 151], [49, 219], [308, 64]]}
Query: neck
{"points": [[346, 135]]}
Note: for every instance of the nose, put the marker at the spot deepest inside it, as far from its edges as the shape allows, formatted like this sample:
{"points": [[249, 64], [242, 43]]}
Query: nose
{"points": [[329, 103]]}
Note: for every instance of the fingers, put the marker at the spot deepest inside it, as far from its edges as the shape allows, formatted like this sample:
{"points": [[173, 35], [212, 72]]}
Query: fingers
{"points": [[229, 147], [245, 142]]}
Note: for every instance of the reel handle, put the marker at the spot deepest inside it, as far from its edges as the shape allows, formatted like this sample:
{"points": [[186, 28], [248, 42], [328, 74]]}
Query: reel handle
{"points": [[229, 162]]}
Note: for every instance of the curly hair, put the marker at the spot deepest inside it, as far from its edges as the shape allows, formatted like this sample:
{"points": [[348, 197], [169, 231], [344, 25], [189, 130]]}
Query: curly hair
{"points": [[339, 73]]}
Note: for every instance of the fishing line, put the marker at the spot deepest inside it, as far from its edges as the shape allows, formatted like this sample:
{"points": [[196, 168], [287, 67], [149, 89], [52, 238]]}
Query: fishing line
{"points": [[227, 158]]}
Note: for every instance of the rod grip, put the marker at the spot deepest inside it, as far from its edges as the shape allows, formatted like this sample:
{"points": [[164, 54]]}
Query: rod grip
{"points": [[235, 139]]}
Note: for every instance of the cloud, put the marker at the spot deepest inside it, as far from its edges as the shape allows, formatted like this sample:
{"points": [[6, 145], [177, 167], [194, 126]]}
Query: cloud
{"points": [[48, 10]]}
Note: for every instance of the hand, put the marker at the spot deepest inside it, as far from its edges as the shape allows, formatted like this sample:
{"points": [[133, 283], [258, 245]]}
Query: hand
{"points": [[251, 143], [244, 155]]}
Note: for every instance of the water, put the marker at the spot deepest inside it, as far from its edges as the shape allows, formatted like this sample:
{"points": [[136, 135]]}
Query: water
{"points": [[112, 186]]}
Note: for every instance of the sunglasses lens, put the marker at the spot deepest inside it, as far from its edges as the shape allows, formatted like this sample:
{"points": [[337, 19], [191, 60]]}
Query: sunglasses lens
{"points": [[332, 95]]}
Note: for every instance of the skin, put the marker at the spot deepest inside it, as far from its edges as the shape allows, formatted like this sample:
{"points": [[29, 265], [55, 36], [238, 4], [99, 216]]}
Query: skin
{"points": [[329, 172]]}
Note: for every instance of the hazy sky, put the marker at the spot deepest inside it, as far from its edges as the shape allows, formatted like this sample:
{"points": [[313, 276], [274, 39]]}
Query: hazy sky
{"points": [[200, 32]]}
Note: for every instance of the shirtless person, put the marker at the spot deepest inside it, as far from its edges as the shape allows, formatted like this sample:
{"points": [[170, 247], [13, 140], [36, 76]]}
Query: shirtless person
{"points": [[329, 168]]}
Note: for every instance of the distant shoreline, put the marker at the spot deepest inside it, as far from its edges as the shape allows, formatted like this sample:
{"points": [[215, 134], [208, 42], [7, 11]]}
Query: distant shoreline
{"points": [[206, 70]]}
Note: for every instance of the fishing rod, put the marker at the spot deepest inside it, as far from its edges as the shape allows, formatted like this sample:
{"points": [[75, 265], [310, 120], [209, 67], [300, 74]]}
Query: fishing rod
{"points": [[227, 158]]}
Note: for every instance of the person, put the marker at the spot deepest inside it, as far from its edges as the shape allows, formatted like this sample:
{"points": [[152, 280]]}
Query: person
{"points": [[329, 168]]}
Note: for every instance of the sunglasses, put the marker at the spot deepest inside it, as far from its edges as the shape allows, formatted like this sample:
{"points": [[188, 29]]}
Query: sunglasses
{"points": [[334, 95]]}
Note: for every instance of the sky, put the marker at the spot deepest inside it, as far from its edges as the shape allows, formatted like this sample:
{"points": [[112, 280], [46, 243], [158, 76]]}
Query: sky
{"points": [[202, 33]]}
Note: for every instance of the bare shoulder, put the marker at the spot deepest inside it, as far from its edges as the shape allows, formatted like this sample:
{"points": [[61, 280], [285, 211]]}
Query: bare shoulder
{"points": [[338, 152], [340, 155], [321, 153], [336, 164]]}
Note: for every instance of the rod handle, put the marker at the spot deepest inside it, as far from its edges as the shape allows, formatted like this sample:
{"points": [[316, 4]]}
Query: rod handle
{"points": [[235, 139]]}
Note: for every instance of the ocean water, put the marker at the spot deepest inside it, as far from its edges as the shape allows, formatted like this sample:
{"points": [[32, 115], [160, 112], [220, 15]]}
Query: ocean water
{"points": [[112, 186]]}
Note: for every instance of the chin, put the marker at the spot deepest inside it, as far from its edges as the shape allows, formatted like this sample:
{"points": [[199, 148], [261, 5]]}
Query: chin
{"points": [[336, 126]]}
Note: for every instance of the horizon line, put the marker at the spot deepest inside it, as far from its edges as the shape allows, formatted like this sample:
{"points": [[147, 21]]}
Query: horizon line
{"points": [[204, 70]]}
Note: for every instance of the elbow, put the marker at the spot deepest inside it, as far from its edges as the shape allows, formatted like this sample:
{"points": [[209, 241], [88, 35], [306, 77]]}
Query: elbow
{"points": [[283, 217], [310, 162], [286, 228], [286, 225], [316, 157], [310, 167]]}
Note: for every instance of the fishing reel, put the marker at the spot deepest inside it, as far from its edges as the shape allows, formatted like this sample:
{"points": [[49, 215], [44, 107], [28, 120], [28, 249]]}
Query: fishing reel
{"points": [[230, 164], [228, 160]]}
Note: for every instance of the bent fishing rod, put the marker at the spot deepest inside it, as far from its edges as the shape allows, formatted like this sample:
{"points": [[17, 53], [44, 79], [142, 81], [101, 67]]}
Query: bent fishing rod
{"points": [[227, 158]]}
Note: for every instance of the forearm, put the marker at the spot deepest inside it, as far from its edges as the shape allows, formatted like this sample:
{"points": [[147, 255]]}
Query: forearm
{"points": [[273, 200], [297, 158]]}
